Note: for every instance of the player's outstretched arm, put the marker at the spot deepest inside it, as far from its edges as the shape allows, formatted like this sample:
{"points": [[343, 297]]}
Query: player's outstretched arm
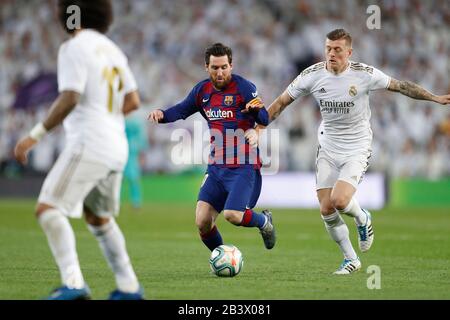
{"points": [[63, 105], [413, 90], [277, 107], [274, 110], [181, 110]]}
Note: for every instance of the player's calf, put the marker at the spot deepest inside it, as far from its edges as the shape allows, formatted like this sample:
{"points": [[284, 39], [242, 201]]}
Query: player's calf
{"points": [[233, 216]]}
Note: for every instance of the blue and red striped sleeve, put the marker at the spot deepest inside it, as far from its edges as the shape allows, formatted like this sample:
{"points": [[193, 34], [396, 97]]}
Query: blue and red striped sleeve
{"points": [[185, 108]]}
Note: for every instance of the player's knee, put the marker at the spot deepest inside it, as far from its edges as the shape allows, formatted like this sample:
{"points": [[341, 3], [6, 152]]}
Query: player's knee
{"points": [[203, 224], [327, 209], [235, 217], [326, 206], [339, 202], [94, 220], [203, 219], [41, 208]]}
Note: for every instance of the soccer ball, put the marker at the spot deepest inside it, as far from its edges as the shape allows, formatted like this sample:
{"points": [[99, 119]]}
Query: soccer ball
{"points": [[226, 261]]}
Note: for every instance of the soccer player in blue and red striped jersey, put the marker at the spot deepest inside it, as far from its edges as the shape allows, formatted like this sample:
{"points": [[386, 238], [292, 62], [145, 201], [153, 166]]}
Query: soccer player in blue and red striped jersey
{"points": [[231, 106]]}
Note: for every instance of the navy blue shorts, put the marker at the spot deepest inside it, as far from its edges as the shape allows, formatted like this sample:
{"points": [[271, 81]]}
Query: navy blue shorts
{"points": [[231, 188]]}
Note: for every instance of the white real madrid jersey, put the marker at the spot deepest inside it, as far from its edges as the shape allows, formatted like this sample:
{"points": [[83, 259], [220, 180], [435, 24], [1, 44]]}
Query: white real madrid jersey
{"points": [[92, 65], [344, 103]]}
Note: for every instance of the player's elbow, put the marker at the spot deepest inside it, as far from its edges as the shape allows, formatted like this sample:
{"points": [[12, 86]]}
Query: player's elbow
{"points": [[131, 102]]}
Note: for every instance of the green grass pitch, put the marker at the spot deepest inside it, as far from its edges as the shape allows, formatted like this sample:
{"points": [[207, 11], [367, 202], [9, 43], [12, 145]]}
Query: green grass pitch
{"points": [[412, 249]]}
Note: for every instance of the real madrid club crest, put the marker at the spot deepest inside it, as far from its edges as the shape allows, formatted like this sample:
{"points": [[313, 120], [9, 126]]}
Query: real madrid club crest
{"points": [[352, 91], [228, 100]]}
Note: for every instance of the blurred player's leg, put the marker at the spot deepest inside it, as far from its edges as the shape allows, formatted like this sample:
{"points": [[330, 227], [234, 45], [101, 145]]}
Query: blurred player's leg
{"points": [[112, 244], [335, 225], [61, 240], [132, 174], [135, 193], [67, 183], [205, 217], [100, 206]]}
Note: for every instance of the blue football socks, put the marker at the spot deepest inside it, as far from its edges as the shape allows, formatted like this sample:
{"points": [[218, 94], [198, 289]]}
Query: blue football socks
{"points": [[253, 219], [212, 239]]}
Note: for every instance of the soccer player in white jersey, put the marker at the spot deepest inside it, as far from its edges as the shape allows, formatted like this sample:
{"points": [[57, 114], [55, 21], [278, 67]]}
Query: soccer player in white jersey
{"points": [[341, 88], [96, 89]]}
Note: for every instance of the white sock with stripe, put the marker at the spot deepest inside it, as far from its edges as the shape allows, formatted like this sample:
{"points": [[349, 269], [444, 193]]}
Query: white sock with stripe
{"points": [[112, 243], [354, 210], [61, 240], [338, 231]]}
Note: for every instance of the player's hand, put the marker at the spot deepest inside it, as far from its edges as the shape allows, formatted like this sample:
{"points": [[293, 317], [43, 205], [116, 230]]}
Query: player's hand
{"points": [[156, 116], [22, 148], [443, 99], [253, 105], [252, 136]]}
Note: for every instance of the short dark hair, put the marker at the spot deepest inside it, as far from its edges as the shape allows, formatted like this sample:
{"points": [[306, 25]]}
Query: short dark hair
{"points": [[218, 50], [340, 34], [97, 14]]}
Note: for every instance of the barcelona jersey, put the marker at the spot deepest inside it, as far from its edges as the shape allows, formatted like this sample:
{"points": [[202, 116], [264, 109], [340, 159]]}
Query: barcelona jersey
{"points": [[222, 109]]}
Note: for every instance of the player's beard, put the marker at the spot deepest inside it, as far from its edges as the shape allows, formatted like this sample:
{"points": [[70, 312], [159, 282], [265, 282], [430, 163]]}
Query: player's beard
{"points": [[222, 84]]}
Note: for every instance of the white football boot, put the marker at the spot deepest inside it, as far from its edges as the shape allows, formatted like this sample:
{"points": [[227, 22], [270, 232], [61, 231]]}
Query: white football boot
{"points": [[365, 233], [348, 266]]}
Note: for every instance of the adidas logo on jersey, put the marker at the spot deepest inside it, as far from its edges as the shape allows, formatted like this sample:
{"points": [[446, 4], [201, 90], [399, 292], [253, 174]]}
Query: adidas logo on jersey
{"points": [[322, 90], [218, 114]]}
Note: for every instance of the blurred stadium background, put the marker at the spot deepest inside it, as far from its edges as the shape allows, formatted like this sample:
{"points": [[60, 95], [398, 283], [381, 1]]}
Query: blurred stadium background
{"points": [[272, 42]]}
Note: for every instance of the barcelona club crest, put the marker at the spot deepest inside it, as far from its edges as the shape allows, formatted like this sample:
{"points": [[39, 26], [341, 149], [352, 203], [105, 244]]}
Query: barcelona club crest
{"points": [[352, 92], [228, 100]]}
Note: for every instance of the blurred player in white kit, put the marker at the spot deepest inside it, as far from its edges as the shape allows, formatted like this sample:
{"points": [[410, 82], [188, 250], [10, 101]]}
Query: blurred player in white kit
{"points": [[96, 90]]}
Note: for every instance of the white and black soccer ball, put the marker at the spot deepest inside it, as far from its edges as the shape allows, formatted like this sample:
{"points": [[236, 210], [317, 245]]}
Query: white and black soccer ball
{"points": [[226, 261]]}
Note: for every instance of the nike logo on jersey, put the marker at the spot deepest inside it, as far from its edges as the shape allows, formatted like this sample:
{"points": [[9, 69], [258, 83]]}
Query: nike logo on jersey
{"points": [[205, 100]]}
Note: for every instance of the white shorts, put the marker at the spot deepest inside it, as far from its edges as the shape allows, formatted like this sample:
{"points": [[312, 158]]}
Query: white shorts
{"points": [[76, 180], [331, 167]]}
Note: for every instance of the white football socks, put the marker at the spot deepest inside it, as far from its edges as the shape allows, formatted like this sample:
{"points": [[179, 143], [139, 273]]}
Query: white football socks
{"points": [[61, 240], [354, 210], [338, 231], [112, 243]]}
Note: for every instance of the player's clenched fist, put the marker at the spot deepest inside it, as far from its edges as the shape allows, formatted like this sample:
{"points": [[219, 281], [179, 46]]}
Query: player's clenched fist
{"points": [[254, 104], [156, 116]]}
